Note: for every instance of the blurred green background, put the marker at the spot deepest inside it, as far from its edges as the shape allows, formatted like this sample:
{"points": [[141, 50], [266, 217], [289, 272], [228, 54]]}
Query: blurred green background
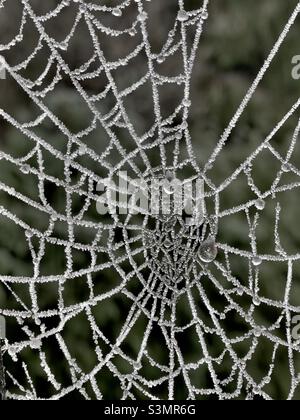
{"points": [[238, 36]]}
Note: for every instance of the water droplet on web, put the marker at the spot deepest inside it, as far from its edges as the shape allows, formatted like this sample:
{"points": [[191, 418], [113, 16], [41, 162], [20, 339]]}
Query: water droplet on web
{"points": [[204, 14], [187, 103], [168, 187], [286, 167], [36, 344], [28, 395], [117, 12], [256, 390], [182, 16], [257, 332], [260, 204], [248, 318], [257, 261], [83, 7], [137, 365], [25, 169], [132, 32], [184, 125], [168, 243], [208, 251], [28, 234], [256, 301]]}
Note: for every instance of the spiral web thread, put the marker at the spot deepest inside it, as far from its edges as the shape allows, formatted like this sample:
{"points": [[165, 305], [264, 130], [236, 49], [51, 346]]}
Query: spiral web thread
{"points": [[157, 300]]}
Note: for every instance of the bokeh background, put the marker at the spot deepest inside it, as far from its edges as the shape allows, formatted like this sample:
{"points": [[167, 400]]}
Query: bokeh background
{"points": [[238, 37]]}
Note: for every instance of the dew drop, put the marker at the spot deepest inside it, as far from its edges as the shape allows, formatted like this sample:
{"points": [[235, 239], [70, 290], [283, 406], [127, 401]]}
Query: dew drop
{"points": [[132, 32], [183, 16], [25, 169], [168, 243], [208, 251], [248, 318], [256, 301], [257, 261], [54, 218], [260, 204], [168, 187], [184, 125], [169, 176], [257, 332], [117, 12], [28, 234], [286, 167], [137, 365], [256, 390], [63, 45], [187, 103], [37, 321]]}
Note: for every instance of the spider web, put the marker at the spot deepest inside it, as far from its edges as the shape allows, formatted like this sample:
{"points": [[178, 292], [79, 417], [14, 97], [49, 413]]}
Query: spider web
{"points": [[158, 277]]}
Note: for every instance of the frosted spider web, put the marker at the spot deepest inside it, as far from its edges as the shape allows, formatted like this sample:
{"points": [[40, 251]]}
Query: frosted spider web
{"points": [[153, 260]]}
